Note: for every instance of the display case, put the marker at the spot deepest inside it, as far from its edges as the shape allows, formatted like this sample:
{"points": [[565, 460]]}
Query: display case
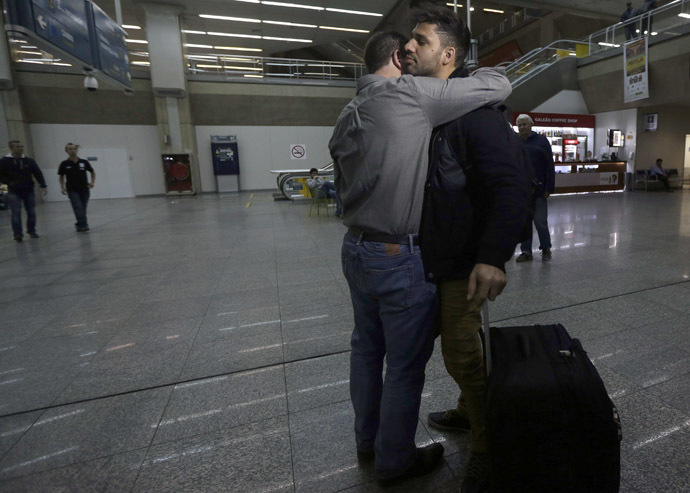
{"points": [[577, 177]]}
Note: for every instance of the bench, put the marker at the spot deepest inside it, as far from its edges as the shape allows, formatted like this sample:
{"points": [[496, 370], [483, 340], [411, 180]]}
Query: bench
{"points": [[643, 176]]}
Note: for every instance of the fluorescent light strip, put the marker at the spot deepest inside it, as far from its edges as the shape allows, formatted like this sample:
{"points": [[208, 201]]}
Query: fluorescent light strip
{"points": [[233, 59], [192, 45], [62, 64], [190, 31], [331, 28], [139, 41], [453, 5], [684, 15], [30, 52], [296, 40], [356, 12], [291, 24], [209, 66], [233, 35], [273, 64], [611, 45], [226, 18], [139, 53], [254, 69], [202, 57], [144, 64], [292, 5], [254, 76], [321, 73], [283, 75], [236, 48], [324, 65], [129, 26], [494, 11]]}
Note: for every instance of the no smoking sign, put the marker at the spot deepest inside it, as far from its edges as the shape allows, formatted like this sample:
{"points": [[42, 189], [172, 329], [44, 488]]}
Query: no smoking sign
{"points": [[298, 151]]}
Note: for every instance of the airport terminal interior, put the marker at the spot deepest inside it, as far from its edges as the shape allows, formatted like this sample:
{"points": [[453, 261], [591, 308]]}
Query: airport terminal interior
{"points": [[197, 336]]}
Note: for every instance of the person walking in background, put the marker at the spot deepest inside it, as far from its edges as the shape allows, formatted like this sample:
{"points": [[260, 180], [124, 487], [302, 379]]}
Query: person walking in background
{"points": [[78, 187], [647, 21], [661, 174], [629, 13], [539, 152], [19, 171]]}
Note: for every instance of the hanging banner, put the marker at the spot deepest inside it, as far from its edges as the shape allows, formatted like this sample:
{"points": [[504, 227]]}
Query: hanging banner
{"points": [[635, 71]]}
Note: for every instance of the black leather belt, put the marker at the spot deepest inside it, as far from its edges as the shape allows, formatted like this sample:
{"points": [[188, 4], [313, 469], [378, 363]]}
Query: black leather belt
{"points": [[384, 238]]}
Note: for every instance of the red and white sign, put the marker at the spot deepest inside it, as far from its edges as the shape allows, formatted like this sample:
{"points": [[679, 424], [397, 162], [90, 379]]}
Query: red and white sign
{"points": [[298, 151], [559, 120], [570, 141]]}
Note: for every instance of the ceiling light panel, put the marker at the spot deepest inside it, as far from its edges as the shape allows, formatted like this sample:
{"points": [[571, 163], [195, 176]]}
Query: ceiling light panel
{"points": [[292, 5], [332, 28], [354, 12], [226, 18]]}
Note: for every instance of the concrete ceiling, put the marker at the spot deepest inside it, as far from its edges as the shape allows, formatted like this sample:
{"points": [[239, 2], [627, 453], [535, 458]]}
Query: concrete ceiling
{"points": [[133, 14]]}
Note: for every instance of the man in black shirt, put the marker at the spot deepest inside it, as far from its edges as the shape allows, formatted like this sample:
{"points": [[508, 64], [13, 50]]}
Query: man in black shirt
{"points": [[78, 186], [18, 171]]}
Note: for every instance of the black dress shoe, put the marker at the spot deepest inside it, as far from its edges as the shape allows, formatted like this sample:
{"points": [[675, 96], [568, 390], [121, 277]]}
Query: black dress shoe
{"points": [[427, 459], [18, 239]]}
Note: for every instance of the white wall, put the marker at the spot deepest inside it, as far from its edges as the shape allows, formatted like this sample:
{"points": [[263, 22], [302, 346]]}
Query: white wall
{"points": [[626, 121], [262, 149], [567, 101], [140, 140]]}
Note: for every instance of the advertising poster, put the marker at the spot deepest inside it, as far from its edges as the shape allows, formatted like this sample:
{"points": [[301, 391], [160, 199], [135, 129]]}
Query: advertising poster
{"points": [[635, 71]]}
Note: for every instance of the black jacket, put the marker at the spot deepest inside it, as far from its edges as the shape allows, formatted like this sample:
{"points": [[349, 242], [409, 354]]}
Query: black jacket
{"points": [[18, 173], [476, 196]]}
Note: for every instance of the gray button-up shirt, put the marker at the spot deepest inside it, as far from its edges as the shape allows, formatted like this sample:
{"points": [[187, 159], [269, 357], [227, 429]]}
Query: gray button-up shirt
{"points": [[380, 144]]}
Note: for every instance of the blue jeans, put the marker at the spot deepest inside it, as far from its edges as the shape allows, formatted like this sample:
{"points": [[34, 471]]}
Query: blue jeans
{"points": [[79, 199], [15, 200], [394, 309], [541, 213], [328, 188]]}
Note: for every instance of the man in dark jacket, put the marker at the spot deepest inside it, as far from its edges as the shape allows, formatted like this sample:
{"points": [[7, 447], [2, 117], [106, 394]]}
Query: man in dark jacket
{"points": [[627, 14], [475, 205], [539, 151], [18, 171]]}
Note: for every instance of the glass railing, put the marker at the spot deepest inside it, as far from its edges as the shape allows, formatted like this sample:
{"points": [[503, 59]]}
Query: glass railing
{"points": [[540, 59]]}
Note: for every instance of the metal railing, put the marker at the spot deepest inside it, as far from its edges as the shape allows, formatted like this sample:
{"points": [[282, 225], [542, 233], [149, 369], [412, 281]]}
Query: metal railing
{"points": [[661, 22], [507, 25], [250, 68]]}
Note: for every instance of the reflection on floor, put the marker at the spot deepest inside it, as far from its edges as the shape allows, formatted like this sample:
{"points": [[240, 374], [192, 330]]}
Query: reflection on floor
{"points": [[201, 344]]}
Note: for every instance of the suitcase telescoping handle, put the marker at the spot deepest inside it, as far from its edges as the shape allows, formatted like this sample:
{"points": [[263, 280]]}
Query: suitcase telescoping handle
{"points": [[487, 336]]}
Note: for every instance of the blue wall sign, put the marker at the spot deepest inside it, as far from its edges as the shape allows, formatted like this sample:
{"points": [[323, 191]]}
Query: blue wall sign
{"points": [[110, 46], [226, 159]]}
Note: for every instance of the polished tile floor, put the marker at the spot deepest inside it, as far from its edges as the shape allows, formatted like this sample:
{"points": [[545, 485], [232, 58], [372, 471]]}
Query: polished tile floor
{"points": [[201, 344]]}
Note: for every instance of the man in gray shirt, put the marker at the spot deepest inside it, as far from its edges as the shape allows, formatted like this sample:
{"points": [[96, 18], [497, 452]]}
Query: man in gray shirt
{"points": [[380, 149]]}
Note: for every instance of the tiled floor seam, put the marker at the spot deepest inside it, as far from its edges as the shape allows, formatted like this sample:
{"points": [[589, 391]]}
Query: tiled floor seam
{"points": [[287, 400]]}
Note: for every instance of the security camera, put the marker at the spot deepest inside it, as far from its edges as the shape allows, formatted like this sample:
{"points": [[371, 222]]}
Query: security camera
{"points": [[91, 83], [128, 92]]}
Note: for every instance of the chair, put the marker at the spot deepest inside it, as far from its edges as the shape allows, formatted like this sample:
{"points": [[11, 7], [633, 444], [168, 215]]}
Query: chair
{"points": [[318, 197]]}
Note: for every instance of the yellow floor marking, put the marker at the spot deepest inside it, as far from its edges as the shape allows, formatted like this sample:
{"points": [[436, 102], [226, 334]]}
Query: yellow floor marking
{"points": [[248, 204]]}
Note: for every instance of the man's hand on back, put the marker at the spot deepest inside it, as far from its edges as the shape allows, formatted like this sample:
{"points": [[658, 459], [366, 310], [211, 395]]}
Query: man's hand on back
{"points": [[486, 281]]}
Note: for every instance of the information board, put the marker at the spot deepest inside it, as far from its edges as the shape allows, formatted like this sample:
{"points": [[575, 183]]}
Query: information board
{"points": [[111, 50], [78, 28], [64, 24], [225, 155]]}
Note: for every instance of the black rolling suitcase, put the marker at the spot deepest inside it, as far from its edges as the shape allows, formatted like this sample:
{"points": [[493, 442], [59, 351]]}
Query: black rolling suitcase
{"points": [[552, 426]]}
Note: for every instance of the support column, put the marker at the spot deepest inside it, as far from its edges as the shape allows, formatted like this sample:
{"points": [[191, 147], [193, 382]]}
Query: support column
{"points": [[13, 125], [173, 113]]}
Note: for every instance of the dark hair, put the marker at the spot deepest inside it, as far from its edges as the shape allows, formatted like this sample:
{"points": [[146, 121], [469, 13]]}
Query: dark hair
{"points": [[380, 48], [14, 142], [448, 25], [312, 170], [659, 160]]}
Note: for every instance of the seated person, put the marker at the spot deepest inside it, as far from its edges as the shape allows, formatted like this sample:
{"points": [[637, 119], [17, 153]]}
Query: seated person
{"points": [[661, 174], [317, 182]]}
